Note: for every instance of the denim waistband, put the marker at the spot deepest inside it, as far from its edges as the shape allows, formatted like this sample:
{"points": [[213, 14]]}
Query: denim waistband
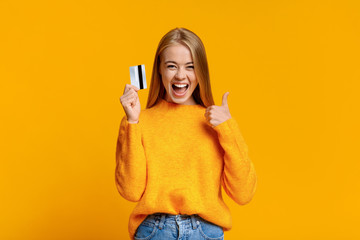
{"points": [[160, 218]]}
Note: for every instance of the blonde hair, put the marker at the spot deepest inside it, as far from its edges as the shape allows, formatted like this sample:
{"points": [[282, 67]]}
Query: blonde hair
{"points": [[202, 93]]}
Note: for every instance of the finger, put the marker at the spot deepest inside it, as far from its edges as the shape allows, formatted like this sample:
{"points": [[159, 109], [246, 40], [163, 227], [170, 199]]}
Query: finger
{"points": [[125, 99], [211, 122], [128, 87], [134, 87], [208, 109], [224, 99], [129, 103], [131, 92], [206, 115], [128, 95]]}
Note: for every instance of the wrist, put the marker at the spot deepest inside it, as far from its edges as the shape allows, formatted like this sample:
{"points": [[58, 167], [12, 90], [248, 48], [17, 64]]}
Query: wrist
{"points": [[132, 121]]}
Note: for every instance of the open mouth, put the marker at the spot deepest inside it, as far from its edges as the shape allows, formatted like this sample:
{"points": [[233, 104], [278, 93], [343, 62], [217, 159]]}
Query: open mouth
{"points": [[180, 89]]}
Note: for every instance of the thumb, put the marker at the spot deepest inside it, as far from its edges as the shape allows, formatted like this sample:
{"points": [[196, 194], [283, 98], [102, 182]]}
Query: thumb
{"points": [[224, 99]]}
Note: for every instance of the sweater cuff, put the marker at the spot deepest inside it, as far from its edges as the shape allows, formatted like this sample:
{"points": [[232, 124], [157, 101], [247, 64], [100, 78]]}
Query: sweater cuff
{"points": [[226, 128], [229, 132], [132, 127], [127, 122]]}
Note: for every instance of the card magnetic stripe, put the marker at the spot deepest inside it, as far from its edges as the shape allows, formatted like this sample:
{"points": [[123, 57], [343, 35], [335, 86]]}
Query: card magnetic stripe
{"points": [[137, 75], [140, 77]]}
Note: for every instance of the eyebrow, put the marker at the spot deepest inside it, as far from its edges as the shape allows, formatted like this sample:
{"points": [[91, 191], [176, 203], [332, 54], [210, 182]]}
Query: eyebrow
{"points": [[176, 62]]}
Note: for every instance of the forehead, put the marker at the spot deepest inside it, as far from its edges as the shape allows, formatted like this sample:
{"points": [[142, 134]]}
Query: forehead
{"points": [[178, 53]]}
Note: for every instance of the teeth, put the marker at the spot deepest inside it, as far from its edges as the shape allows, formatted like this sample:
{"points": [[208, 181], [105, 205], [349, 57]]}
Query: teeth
{"points": [[180, 85]]}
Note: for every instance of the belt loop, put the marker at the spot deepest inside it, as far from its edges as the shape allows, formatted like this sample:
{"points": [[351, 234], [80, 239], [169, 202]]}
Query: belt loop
{"points": [[193, 221], [162, 220]]}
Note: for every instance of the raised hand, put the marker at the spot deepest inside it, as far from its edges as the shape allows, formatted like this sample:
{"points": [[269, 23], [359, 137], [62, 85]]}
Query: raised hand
{"points": [[131, 103], [218, 114]]}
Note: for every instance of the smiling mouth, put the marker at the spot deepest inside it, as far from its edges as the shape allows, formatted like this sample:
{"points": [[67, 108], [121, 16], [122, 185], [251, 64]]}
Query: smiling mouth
{"points": [[180, 88]]}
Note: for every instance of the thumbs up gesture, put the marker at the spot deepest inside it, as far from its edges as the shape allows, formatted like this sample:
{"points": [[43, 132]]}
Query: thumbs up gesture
{"points": [[218, 114]]}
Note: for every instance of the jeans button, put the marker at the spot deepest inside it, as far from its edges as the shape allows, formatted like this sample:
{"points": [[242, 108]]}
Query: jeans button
{"points": [[197, 222]]}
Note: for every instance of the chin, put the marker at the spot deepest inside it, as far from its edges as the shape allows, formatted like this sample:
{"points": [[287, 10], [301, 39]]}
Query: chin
{"points": [[179, 100]]}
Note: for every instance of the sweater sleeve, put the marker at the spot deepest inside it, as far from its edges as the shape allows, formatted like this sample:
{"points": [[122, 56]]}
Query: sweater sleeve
{"points": [[130, 172], [239, 178]]}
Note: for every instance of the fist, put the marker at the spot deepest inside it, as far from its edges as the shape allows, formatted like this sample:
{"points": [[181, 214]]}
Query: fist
{"points": [[218, 114], [131, 103]]}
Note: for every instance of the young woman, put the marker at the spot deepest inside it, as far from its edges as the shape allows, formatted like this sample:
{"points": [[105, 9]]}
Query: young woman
{"points": [[174, 157]]}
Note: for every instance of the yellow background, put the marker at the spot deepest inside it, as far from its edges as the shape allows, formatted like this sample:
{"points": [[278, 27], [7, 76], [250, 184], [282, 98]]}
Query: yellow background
{"points": [[292, 70]]}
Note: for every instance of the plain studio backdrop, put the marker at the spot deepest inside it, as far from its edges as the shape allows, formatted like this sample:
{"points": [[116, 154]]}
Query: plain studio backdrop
{"points": [[292, 70]]}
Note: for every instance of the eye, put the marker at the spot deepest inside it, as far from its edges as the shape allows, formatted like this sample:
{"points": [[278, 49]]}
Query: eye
{"points": [[171, 66], [192, 67]]}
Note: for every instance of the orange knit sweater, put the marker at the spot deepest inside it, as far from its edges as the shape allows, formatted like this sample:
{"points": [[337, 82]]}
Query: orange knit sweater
{"points": [[173, 162]]}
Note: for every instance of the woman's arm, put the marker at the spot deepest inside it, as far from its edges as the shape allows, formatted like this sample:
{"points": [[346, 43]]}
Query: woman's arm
{"points": [[239, 178], [130, 173]]}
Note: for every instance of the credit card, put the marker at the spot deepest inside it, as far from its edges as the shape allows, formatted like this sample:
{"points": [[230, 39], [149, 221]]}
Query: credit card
{"points": [[138, 77]]}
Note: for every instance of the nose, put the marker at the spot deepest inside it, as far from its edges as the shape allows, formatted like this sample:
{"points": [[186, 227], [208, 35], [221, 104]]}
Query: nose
{"points": [[180, 74]]}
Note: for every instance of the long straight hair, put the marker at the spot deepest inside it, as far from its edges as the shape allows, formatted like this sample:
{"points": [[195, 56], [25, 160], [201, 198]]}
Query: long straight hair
{"points": [[202, 93]]}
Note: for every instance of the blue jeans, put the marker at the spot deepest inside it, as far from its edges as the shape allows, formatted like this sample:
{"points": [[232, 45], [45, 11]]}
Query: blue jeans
{"points": [[162, 226]]}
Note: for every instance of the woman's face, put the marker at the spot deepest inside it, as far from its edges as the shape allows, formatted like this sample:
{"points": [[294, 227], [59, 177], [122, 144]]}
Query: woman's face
{"points": [[178, 74]]}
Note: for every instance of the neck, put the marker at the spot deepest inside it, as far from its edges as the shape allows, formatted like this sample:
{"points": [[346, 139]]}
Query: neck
{"points": [[190, 101], [176, 105]]}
